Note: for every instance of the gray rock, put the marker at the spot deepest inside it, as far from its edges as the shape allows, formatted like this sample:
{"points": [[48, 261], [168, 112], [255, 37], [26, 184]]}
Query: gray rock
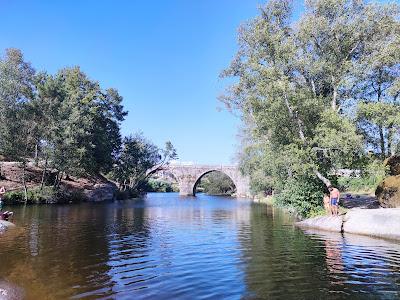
{"points": [[329, 223], [101, 192], [5, 225], [374, 222]]}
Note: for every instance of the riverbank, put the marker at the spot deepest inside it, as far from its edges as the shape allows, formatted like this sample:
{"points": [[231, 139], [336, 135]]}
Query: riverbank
{"points": [[381, 222], [360, 214], [71, 189]]}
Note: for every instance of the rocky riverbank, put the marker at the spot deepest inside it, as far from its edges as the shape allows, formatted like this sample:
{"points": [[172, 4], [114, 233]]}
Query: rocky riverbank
{"points": [[71, 189], [383, 222]]}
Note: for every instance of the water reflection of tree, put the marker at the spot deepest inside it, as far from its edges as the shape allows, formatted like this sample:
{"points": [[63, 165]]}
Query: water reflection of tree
{"points": [[63, 252], [128, 242], [361, 265], [280, 260]]}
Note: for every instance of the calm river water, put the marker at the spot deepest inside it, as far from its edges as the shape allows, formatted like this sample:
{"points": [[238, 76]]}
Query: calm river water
{"points": [[167, 247]]}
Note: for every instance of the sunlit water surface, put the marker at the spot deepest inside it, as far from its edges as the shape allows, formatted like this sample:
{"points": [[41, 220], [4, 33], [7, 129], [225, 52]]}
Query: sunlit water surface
{"points": [[167, 247]]}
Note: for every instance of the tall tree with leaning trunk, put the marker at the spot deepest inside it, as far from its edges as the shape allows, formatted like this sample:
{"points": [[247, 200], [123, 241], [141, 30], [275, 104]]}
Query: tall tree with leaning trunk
{"points": [[295, 84]]}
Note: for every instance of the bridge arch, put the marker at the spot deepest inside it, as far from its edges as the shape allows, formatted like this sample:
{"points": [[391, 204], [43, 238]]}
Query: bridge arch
{"points": [[188, 175], [197, 181]]}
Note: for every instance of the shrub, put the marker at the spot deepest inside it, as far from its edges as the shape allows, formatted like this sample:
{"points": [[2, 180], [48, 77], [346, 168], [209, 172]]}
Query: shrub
{"points": [[159, 186], [35, 196], [303, 195], [16, 197]]}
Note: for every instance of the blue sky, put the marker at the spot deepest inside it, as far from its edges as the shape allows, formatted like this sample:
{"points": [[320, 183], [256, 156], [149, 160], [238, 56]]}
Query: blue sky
{"points": [[164, 57]]}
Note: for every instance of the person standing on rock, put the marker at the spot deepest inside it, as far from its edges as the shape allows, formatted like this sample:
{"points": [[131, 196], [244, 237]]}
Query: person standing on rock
{"points": [[327, 201], [334, 200]]}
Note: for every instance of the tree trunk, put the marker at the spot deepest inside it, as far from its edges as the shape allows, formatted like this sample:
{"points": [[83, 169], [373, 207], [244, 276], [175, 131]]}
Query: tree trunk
{"points": [[325, 180], [334, 96], [56, 181], [313, 88], [296, 119], [36, 154], [43, 175], [382, 142], [24, 182], [59, 180], [390, 145]]}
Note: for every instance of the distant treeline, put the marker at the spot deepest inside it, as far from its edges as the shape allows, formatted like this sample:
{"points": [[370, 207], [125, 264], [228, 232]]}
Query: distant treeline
{"points": [[68, 123]]}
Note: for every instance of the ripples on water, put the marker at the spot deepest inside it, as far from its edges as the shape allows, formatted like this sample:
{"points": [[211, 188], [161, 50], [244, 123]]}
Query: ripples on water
{"points": [[166, 247]]}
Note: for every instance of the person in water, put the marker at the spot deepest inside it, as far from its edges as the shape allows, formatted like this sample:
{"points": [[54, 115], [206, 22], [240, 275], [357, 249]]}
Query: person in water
{"points": [[7, 215], [327, 205], [334, 200], [2, 192]]}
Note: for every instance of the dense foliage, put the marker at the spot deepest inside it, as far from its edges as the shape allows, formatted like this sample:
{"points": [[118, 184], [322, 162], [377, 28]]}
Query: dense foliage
{"points": [[315, 95], [137, 160], [161, 186], [68, 124], [216, 183]]}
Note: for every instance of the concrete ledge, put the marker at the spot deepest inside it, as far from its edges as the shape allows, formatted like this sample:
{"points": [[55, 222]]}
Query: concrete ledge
{"points": [[328, 223], [375, 222]]}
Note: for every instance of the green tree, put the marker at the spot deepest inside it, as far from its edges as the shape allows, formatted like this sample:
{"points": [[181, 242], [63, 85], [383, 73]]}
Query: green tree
{"points": [[295, 88], [16, 91], [65, 121], [377, 85], [138, 159], [17, 129], [80, 122]]}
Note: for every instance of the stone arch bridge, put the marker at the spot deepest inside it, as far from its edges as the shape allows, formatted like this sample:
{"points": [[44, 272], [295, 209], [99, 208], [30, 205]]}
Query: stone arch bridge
{"points": [[189, 175]]}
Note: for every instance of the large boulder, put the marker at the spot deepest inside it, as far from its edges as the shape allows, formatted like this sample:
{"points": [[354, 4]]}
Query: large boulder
{"points": [[329, 223], [393, 162], [383, 223], [101, 192], [388, 192]]}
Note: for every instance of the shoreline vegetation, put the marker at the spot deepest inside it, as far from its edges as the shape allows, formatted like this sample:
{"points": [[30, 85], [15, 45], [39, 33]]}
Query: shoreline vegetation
{"points": [[319, 99], [60, 138]]}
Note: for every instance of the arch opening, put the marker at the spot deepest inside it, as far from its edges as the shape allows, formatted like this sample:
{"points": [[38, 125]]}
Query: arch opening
{"points": [[215, 182]]}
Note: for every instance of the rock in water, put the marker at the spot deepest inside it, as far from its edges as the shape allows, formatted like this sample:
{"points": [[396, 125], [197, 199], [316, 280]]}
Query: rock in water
{"points": [[5, 225], [101, 192], [9, 291], [388, 192], [383, 223], [329, 223]]}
